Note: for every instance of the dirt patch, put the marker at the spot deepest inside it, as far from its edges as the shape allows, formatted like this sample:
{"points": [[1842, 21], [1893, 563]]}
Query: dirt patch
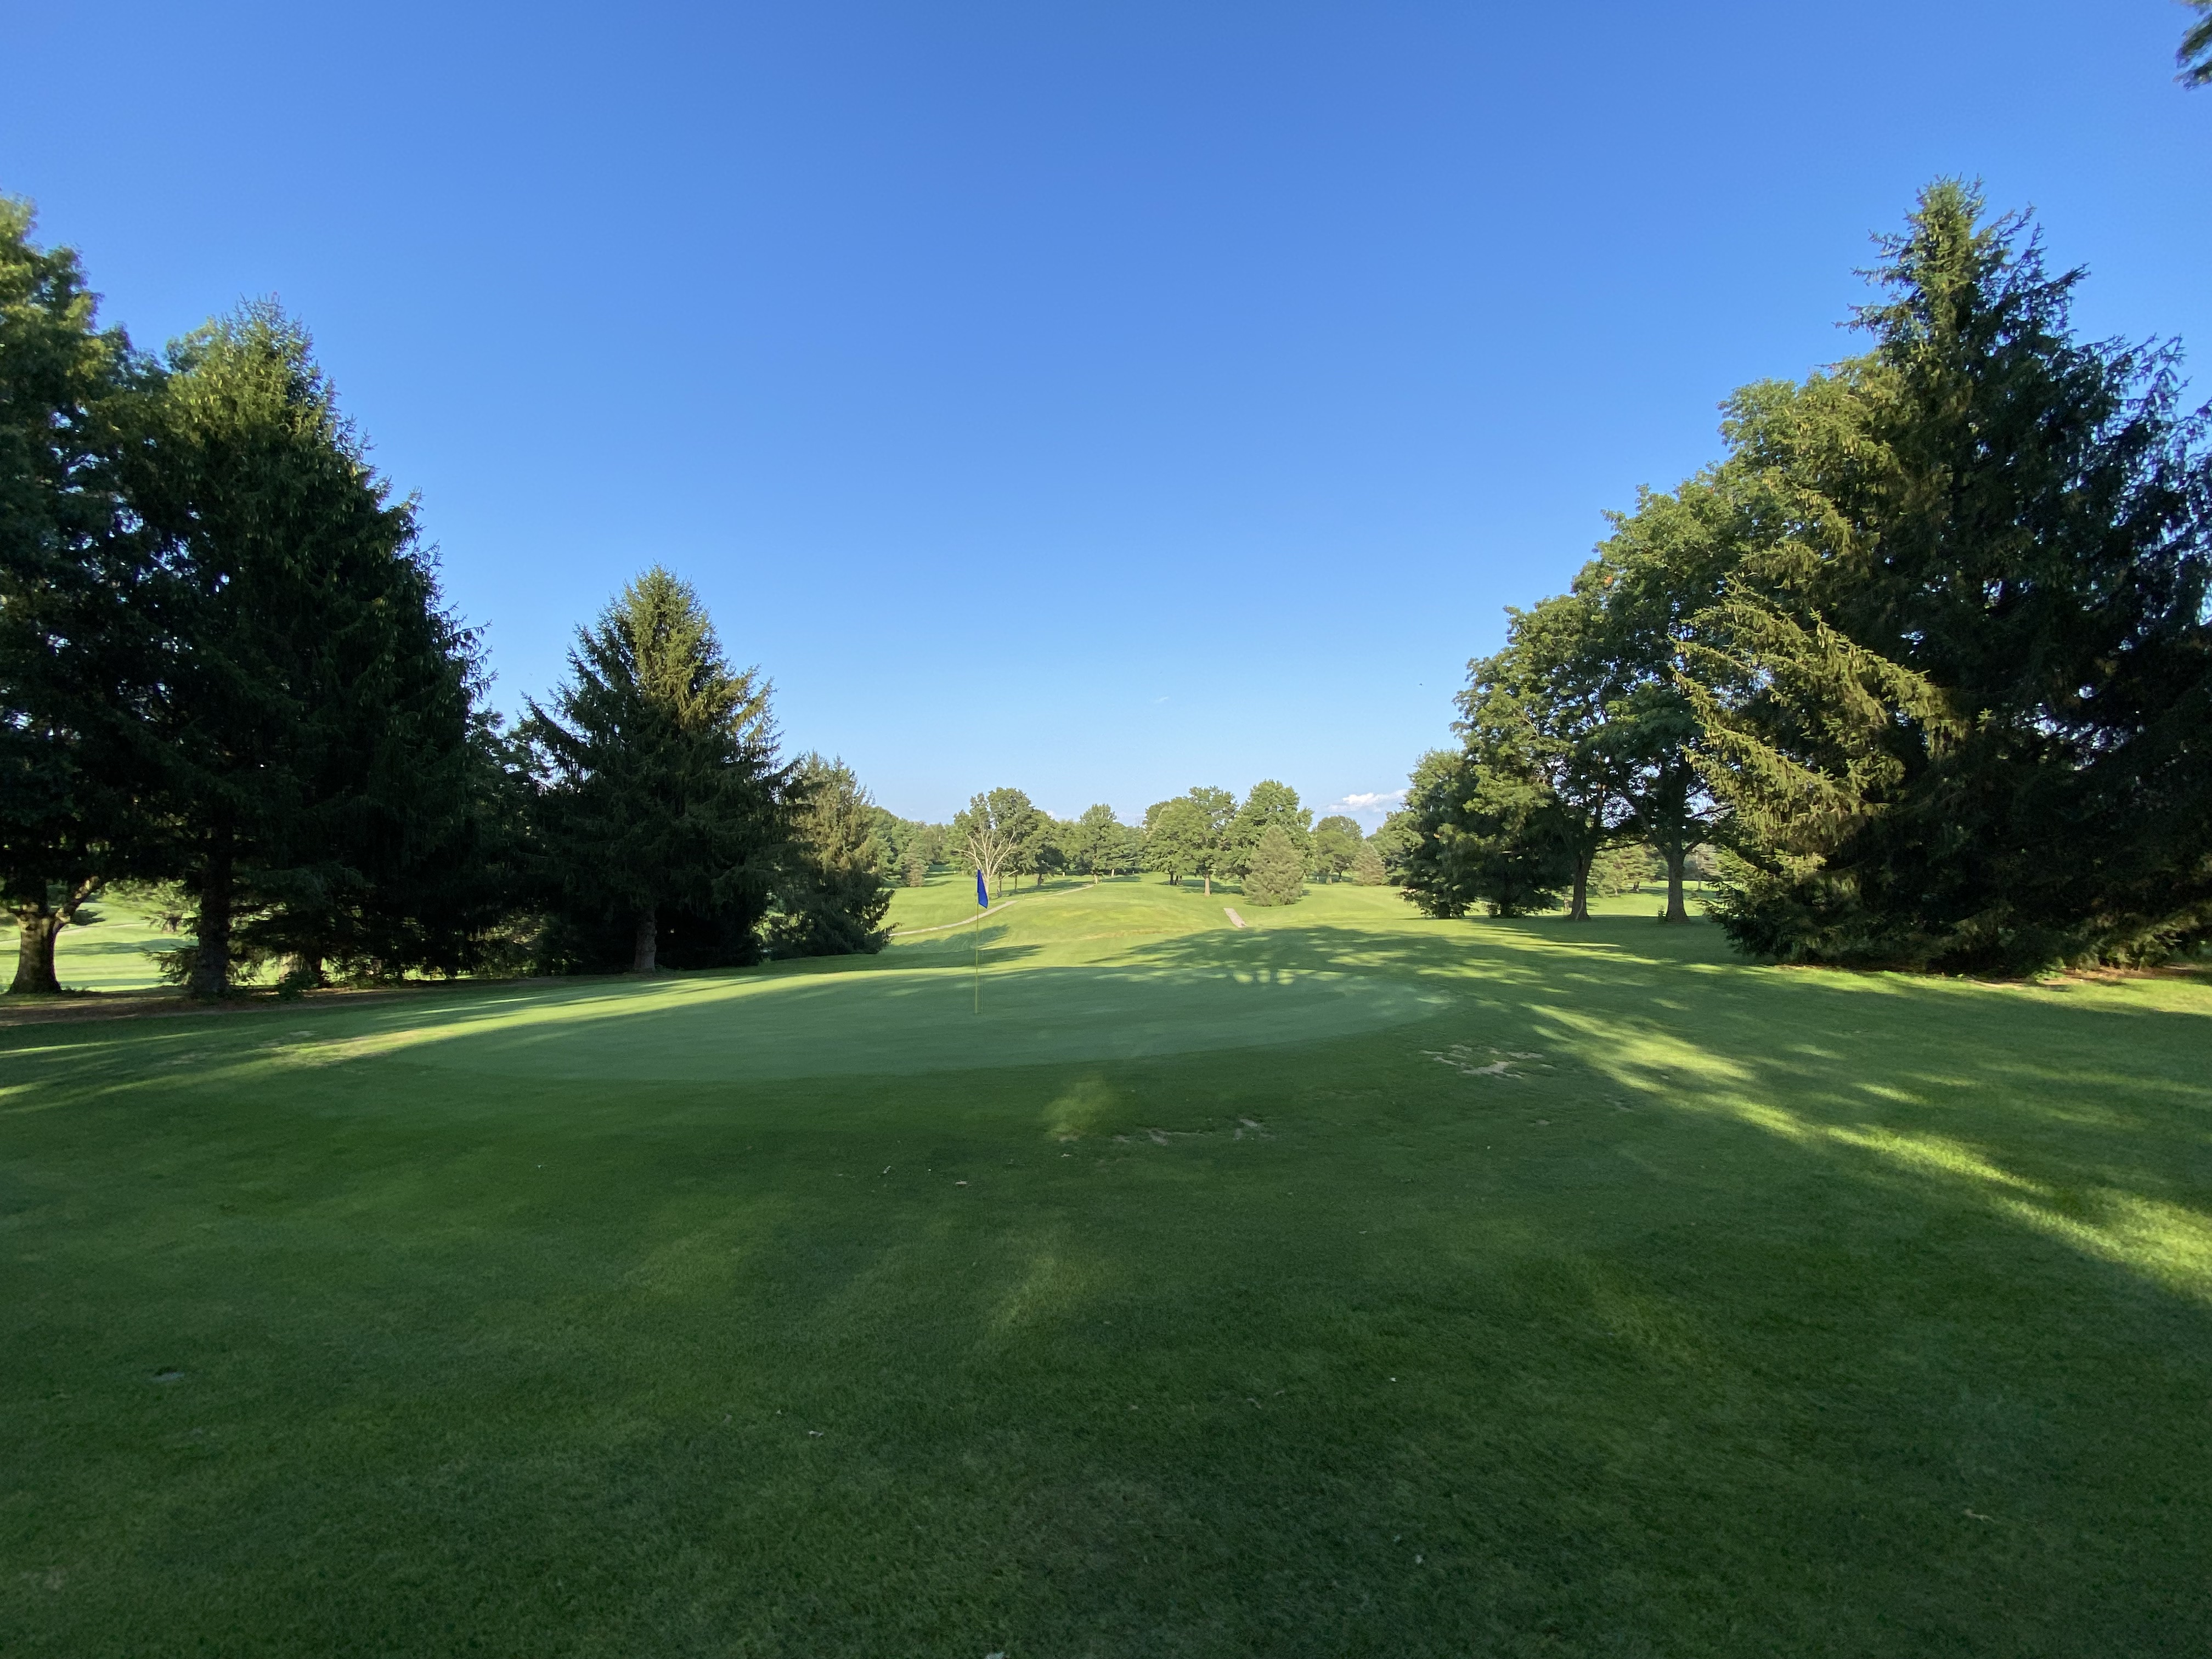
{"points": [[1465, 1060]]}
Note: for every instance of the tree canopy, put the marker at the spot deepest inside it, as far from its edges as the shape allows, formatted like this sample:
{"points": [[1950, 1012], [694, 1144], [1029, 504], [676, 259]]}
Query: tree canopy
{"points": [[1927, 652]]}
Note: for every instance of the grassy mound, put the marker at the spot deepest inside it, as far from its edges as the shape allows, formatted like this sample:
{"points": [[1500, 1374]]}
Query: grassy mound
{"points": [[1346, 1283]]}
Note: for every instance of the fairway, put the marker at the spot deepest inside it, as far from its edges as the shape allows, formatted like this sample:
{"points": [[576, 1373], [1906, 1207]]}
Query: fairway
{"points": [[1346, 1283]]}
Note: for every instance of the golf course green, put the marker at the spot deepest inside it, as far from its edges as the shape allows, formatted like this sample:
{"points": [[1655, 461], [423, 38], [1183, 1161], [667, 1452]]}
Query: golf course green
{"points": [[1345, 1283]]}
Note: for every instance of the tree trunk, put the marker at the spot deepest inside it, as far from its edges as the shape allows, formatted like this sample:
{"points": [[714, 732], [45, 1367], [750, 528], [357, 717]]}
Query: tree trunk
{"points": [[34, 953], [1676, 910], [1578, 910], [211, 955], [644, 954], [1209, 883]]}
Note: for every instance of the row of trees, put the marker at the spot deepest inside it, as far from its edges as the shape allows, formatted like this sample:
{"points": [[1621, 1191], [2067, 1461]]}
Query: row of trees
{"points": [[225, 668], [1206, 834], [1926, 655]]}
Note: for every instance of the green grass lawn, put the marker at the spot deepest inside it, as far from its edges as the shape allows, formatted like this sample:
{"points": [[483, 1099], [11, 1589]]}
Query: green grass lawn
{"points": [[1348, 1284], [113, 954]]}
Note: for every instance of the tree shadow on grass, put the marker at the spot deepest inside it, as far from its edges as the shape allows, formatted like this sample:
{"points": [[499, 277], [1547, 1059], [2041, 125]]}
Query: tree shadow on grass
{"points": [[2082, 1112]]}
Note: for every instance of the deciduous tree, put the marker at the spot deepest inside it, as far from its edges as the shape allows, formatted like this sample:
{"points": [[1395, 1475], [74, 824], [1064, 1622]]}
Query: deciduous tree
{"points": [[1336, 844], [1270, 804]]}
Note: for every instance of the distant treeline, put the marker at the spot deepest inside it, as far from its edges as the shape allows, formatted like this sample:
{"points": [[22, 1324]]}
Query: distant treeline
{"points": [[1925, 656], [225, 669], [1269, 842]]}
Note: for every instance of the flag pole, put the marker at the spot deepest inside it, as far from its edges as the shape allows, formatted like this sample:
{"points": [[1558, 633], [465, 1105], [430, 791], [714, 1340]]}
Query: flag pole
{"points": [[979, 941]]}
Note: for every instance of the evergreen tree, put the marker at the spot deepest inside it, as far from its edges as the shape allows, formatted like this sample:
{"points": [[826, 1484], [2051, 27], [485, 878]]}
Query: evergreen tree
{"points": [[2196, 54], [76, 660], [314, 712], [1367, 868], [1620, 869], [832, 897], [1275, 873], [661, 795], [1955, 695]]}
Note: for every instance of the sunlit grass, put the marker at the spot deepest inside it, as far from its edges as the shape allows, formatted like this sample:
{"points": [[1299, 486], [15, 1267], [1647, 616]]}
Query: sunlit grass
{"points": [[1348, 1283]]}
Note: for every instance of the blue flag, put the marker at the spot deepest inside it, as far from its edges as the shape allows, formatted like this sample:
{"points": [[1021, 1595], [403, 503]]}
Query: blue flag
{"points": [[982, 897]]}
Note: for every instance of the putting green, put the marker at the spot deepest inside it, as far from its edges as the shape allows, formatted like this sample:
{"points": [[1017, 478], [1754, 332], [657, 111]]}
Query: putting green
{"points": [[712, 1029]]}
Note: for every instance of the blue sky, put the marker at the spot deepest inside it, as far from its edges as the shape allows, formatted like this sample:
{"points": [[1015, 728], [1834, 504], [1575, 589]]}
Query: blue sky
{"points": [[1101, 399]]}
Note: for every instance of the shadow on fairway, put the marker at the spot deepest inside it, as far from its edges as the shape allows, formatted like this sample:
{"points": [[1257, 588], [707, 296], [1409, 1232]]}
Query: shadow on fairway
{"points": [[2009, 1096], [735, 1028]]}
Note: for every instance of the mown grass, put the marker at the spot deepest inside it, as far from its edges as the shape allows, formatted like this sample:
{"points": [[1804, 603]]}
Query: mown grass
{"points": [[1350, 1284], [113, 953]]}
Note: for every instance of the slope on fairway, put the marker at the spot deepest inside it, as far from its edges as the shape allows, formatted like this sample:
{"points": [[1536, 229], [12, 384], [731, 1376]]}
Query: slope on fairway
{"points": [[1583, 1291]]}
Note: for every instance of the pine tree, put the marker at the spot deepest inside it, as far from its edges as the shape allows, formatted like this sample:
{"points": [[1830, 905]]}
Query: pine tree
{"points": [[660, 792], [1954, 697], [76, 660], [1367, 868], [832, 897], [314, 712], [1275, 874]]}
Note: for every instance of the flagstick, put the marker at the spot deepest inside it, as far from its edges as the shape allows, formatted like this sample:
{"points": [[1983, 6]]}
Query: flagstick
{"points": [[979, 959]]}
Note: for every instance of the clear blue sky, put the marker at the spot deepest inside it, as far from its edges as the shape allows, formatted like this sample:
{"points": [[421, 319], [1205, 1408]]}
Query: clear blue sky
{"points": [[1098, 397]]}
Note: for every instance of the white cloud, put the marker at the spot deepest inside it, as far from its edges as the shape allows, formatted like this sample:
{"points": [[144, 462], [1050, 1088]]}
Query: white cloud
{"points": [[1373, 805]]}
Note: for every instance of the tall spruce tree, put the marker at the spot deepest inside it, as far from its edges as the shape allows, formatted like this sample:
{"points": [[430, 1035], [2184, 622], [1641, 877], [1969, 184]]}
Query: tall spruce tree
{"points": [[661, 795], [313, 707], [1958, 694], [76, 660]]}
